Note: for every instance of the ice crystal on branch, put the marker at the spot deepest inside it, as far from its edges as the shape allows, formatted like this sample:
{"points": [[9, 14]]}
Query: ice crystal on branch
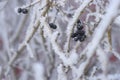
{"points": [[59, 40]]}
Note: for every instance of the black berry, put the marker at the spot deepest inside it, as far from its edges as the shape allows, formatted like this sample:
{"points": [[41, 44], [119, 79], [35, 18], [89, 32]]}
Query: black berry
{"points": [[78, 21], [24, 11], [74, 35], [52, 25], [82, 38], [80, 32], [76, 38], [79, 26], [19, 10]]}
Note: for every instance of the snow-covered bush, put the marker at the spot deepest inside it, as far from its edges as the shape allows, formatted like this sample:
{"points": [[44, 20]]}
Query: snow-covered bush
{"points": [[59, 39]]}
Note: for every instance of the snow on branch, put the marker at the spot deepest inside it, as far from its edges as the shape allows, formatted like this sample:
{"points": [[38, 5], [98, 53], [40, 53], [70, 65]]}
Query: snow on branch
{"points": [[38, 70], [47, 46], [110, 15], [71, 24], [109, 77], [30, 33], [67, 61], [61, 73], [23, 45], [53, 37], [102, 57], [115, 53]]}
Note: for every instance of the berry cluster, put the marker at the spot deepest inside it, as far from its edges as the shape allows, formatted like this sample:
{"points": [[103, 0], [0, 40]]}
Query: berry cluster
{"points": [[80, 33], [52, 25], [22, 10]]}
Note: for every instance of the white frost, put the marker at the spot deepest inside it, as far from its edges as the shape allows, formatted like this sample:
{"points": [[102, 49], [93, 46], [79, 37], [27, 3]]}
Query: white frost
{"points": [[38, 71]]}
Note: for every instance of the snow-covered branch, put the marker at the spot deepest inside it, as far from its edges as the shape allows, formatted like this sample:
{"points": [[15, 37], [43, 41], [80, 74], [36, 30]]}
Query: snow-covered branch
{"points": [[59, 40], [110, 15], [73, 21]]}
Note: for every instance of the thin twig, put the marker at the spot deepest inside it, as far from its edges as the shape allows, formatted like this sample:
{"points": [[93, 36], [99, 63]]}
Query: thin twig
{"points": [[73, 21], [31, 4], [99, 33], [20, 27], [27, 40]]}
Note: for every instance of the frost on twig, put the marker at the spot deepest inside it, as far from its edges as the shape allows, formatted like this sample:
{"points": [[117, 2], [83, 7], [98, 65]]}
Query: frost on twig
{"points": [[102, 57], [29, 49], [93, 71], [73, 21], [30, 32], [116, 54], [67, 61], [99, 33], [38, 70], [61, 73], [19, 29], [63, 60], [23, 45], [109, 77]]}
